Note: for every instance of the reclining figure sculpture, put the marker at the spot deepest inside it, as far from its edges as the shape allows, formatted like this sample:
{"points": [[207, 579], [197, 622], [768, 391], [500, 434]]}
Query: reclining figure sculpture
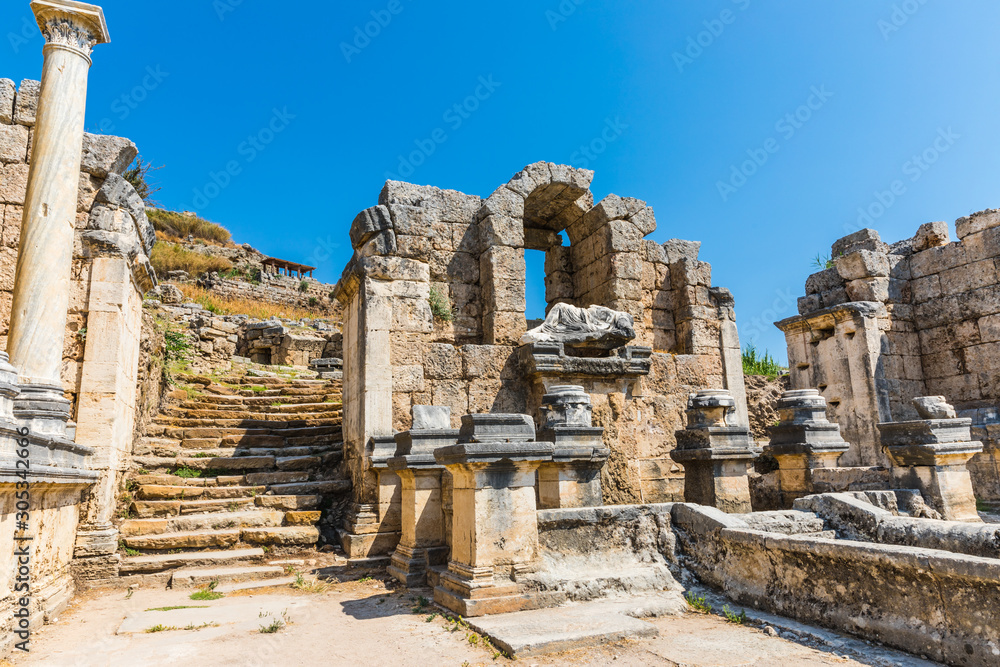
{"points": [[594, 327]]}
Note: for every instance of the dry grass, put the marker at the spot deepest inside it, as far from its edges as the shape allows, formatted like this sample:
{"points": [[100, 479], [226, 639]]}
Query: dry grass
{"points": [[180, 225], [171, 257], [262, 310]]}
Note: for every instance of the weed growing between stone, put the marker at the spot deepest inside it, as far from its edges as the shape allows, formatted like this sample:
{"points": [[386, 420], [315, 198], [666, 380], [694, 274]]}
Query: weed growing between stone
{"points": [[698, 603], [276, 624], [733, 617], [760, 365], [207, 593]]}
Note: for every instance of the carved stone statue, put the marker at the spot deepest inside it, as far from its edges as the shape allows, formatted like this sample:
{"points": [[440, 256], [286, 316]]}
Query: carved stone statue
{"points": [[594, 327]]}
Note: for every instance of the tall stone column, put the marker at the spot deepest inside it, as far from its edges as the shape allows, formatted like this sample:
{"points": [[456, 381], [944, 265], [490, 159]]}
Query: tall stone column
{"points": [[44, 260]]}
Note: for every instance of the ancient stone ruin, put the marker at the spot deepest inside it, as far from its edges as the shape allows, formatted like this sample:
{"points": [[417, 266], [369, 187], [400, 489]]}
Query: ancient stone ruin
{"points": [[491, 463]]}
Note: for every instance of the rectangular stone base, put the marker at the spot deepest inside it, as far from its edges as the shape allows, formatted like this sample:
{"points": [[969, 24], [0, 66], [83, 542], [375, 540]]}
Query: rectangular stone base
{"points": [[500, 604], [367, 546], [409, 566]]}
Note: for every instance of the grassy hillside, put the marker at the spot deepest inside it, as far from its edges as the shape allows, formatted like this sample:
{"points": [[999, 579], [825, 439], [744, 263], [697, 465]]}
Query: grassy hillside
{"points": [[172, 257], [178, 226]]}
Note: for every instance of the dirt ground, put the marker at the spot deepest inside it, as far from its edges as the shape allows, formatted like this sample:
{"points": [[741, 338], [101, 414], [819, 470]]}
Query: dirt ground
{"points": [[362, 622]]}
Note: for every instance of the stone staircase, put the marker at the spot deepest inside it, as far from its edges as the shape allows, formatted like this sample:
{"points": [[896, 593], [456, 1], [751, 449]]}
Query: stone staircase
{"points": [[239, 473]]}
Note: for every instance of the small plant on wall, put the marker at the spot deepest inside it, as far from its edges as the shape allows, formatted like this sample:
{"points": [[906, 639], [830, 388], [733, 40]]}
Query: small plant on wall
{"points": [[440, 307]]}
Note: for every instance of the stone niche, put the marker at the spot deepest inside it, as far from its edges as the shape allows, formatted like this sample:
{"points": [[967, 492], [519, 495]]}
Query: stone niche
{"points": [[434, 314], [890, 323]]}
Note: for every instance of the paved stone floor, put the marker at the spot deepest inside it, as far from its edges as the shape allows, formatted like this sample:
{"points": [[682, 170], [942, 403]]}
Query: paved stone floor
{"points": [[361, 622]]}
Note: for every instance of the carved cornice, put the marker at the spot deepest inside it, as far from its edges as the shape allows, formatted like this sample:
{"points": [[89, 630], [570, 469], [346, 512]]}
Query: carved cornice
{"points": [[76, 36]]}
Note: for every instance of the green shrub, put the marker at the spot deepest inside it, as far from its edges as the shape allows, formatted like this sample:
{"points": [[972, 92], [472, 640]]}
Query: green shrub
{"points": [[304, 286], [180, 225], [760, 365], [178, 345], [313, 301], [138, 175], [440, 307]]}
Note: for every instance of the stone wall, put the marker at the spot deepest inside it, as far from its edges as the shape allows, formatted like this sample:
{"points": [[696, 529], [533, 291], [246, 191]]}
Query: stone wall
{"points": [[924, 601], [888, 323], [423, 244], [110, 272]]}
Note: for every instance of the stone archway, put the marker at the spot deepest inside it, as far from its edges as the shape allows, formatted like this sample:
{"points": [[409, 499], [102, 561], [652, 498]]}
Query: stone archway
{"points": [[529, 212]]}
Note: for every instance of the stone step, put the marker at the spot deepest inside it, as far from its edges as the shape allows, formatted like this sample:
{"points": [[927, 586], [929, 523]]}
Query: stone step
{"points": [[282, 535], [161, 562], [284, 429], [194, 522], [174, 480], [188, 539], [197, 577], [311, 488], [182, 492], [253, 585], [238, 418], [265, 478], [159, 508], [290, 503], [216, 400], [268, 405]]}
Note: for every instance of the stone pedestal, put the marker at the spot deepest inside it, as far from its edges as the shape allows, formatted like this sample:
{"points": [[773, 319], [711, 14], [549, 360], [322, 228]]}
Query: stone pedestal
{"points": [[422, 542], [932, 455], [573, 477], [716, 454], [495, 527], [803, 441]]}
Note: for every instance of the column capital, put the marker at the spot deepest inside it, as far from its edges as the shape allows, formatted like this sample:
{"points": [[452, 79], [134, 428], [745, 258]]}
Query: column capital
{"points": [[75, 26]]}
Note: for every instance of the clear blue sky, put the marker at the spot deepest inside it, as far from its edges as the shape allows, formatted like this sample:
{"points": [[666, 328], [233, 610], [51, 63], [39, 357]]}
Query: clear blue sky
{"points": [[892, 78]]}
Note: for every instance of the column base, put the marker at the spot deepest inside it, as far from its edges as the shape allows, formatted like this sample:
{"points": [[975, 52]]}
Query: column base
{"points": [[368, 545], [95, 541], [410, 565], [722, 483], [43, 410], [476, 592], [948, 489]]}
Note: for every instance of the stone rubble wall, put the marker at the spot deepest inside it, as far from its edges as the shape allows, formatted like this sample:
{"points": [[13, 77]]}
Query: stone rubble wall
{"points": [[281, 290], [924, 601], [421, 239], [929, 324]]}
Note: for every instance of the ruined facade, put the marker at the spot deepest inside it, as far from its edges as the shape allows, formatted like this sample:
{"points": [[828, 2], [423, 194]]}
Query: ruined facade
{"points": [[434, 301], [889, 323]]}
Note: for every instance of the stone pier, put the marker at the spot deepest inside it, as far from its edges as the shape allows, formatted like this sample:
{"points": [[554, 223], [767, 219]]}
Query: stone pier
{"points": [[573, 477], [494, 526], [932, 455], [715, 452], [803, 441], [422, 541]]}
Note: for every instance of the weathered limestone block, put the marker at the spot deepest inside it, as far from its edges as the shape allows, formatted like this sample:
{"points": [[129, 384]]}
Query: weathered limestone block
{"points": [[104, 154], [13, 143], [977, 222], [934, 407], [494, 524], [862, 264], [411, 220], [864, 239], [930, 235], [368, 224], [932, 455], [716, 454], [803, 441], [26, 104], [7, 94], [13, 183]]}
